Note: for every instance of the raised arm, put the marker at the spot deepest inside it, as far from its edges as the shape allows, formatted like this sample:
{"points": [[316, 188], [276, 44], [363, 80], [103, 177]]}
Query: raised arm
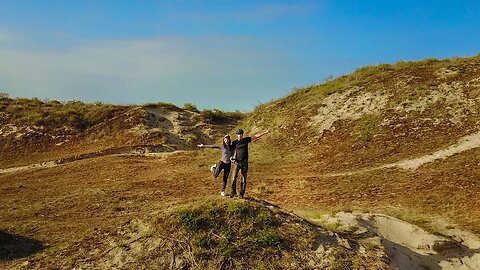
{"points": [[257, 136], [201, 145]]}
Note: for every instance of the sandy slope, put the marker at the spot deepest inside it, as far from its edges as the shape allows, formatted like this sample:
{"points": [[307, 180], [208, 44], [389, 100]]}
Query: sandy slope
{"points": [[409, 246], [464, 144]]}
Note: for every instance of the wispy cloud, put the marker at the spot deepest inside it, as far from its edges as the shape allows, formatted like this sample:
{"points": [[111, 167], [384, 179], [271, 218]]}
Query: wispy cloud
{"points": [[170, 69]]}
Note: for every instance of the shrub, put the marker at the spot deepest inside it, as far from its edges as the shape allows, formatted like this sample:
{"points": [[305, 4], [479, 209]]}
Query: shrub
{"points": [[212, 114], [227, 249], [165, 105], [190, 107], [265, 218], [366, 128], [365, 71], [269, 238], [236, 114], [212, 212], [203, 242], [189, 220], [237, 208], [54, 102]]}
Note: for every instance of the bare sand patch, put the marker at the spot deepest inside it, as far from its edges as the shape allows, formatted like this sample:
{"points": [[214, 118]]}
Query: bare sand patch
{"points": [[347, 105], [408, 246]]}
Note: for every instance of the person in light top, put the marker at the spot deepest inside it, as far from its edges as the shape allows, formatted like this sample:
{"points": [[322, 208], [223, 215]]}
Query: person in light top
{"points": [[225, 163]]}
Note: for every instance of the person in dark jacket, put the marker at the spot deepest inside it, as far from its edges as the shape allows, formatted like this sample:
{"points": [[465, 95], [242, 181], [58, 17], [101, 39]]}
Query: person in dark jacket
{"points": [[224, 163], [241, 160]]}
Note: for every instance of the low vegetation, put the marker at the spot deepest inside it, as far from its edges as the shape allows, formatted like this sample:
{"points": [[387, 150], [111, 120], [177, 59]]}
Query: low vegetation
{"points": [[220, 117], [164, 105], [34, 130], [53, 114], [367, 126], [80, 116], [233, 231]]}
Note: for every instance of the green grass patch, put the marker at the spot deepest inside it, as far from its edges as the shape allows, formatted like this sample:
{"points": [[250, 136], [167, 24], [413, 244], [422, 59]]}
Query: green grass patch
{"points": [[367, 126], [231, 229], [237, 208], [190, 220], [203, 241], [219, 116], [265, 218], [269, 238], [190, 107], [164, 105]]}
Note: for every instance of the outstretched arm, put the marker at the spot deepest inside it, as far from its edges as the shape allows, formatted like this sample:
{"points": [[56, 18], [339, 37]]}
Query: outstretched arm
{"points": [[257, 136], [201, 145]]}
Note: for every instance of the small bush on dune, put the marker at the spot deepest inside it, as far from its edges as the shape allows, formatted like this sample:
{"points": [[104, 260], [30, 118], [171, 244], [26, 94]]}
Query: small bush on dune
{"points": [[203, 241], [231, 230], [269, 238], [366, 127], [220, 117], [237, 208], [165, 105], [190, 220], [365, 72], [265, 218], [190, 107]]}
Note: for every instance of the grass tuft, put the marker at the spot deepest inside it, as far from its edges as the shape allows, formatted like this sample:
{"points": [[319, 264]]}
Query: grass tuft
{"points": [[190, 220], [366, 128], [237, 208], [269, 238]]}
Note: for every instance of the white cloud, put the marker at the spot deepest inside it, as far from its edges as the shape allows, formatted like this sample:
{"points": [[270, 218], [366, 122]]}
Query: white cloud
{"points": [[130, 71]]}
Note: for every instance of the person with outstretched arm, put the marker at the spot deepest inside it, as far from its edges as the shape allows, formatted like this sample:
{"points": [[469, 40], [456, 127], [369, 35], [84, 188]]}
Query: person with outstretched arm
{"points": [[224, 163], [241, 160]]}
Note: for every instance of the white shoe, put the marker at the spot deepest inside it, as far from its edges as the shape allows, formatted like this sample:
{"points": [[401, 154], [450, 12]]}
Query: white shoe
{"points": [[222, 193], [212, 169]]}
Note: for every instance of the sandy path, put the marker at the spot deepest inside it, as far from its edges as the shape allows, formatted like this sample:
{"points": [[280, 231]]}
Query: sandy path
{"points": [[48, 164], [463, 144], [143, 150]]}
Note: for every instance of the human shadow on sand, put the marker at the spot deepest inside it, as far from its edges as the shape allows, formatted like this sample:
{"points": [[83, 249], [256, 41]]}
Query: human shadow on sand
{"points": [[16, 247]]}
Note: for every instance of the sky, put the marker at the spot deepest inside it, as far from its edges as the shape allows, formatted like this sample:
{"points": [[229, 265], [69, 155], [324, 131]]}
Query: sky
{"points": [[225, 54]]}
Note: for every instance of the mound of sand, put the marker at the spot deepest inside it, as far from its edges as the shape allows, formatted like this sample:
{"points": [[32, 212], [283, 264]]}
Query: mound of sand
{"points": [[406, 245]]}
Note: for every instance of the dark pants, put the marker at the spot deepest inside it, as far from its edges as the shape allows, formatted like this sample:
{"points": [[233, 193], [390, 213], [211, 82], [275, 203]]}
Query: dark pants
{"points": [[226, 171], [240, 166]]}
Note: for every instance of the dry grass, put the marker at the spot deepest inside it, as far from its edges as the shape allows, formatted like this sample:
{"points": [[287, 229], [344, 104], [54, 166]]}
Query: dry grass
{"points": [[79, 205], [74, 115], [437, 190]]}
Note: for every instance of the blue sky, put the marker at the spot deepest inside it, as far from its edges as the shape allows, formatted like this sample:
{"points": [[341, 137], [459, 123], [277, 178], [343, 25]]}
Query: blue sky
{"points": [[230, 55]]}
